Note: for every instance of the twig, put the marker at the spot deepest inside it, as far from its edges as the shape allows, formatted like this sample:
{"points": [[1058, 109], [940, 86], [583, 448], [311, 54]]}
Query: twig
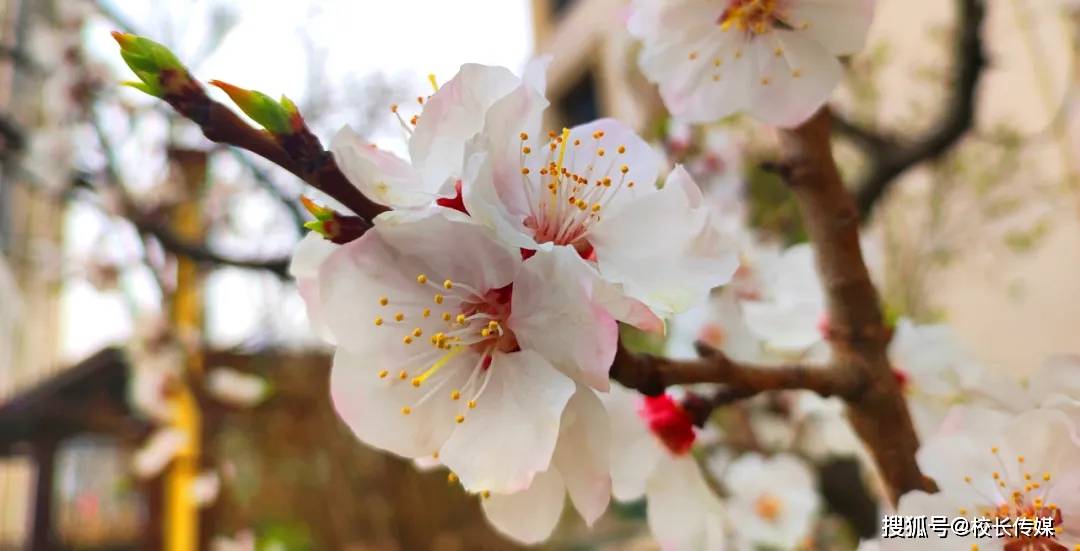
{"points": [[890, 156]]}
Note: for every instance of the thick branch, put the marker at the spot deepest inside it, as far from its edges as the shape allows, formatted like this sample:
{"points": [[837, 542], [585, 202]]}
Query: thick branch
{"points": [[651, 374], [891, 156], [200, 253], [858, 335]]}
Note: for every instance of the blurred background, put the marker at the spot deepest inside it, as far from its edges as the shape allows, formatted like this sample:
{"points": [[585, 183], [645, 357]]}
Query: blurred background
{"points": [[133, 250]]}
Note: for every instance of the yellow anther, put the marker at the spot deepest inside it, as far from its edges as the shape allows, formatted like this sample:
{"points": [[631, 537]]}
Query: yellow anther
{"points": [[451, 478], [994, 449], [407, 339], [596, 207], [399, 316], [581, 204], [572, 200], [765, 81], [606, 182], [524, 170], [414, 120], [471, 404], [600, 152], [717, 62], [406, 410], [420, 100], [460, 319], [1020, 459], [577, 142], [434, 84], [526, 150], [438, 299], [416, 382], [621, 149], [967, 479], [416, 332], [1046, 477], [796, 73], [996, 475], [446, 316], [778, 52], [485, 332], [403, 375], [524, 136], [448, 284], [486, 494], [393, 108], [421, 279], [383, 374], [493, 325], [624, 169], [455, 394], [459, 419], [630, 184], [383, 301], [378, 320], [426, 313], [692, 56]]}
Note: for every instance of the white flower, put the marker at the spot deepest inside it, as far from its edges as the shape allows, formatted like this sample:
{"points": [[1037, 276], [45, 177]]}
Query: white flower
{"points": [[448, 120], [773, 501], [650, 445], [935, 374], [789, 315], [990, 464], [205, 488], [592, 189], [157, 452], [579, 467], [243, 541], [775, 59], [448, 343], [235, 388], [307, 257]]}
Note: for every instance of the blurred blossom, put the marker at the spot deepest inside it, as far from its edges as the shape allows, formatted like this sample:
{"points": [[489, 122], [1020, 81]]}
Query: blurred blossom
{"points": [[773, 501], [236, 388], [157, 452]]}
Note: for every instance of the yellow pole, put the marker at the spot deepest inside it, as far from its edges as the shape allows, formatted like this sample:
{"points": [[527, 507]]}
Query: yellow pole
{"points": [[181, 519]]}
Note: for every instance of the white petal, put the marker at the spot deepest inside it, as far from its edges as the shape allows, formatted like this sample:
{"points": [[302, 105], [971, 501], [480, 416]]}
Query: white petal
{"points": [[452, 246], [1058, 375], [528, 516], [382, 176], [838, 25], [795, 77], [663, 248], [627, 309], [683, 512], [582, 454], [785, 327], [372, 406], [635, 452], [452, 116], [236, 388], [157, 452], [554, 314], [511, 434], [307, 258]]}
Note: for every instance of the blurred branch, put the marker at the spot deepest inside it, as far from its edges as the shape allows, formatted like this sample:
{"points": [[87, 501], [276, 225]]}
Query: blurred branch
{"points": [[145, 224], [890, 156], [652, 374]]}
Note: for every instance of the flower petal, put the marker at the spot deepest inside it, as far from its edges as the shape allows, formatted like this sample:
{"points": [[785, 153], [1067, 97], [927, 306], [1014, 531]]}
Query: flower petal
{"points": [[635, 452], [452, 116], [683, 512], [510, 435], [307, 258], [795, 77], [663, 248], [372, 406], [838, 25], [528, 516], [582, 455], [554, 314], [593, 152], [382, 176]]}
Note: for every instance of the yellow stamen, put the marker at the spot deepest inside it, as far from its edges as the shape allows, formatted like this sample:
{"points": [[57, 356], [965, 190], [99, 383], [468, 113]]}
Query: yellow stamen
{"points": [[438, 299], [434, 83], [421, 279], [448, 284], [471, 404], [383, 374], [459, 419], [383, 301], [378, 321], [455, 394], [406, 410], [438, 365]]}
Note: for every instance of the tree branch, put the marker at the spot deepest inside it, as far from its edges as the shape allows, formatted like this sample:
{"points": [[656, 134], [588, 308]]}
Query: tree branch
{"points": [[858, 335], [891, 156], [650, 375]]}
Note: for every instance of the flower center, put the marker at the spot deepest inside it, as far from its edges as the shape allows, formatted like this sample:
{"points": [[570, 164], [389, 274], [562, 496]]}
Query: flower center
{"points": [[564, 205], [669, 422], [458, 320], [768, 507], [756, 16], [1023, 504]]}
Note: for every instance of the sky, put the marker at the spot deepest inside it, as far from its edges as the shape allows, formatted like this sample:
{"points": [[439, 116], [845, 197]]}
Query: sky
{"points": [[266, 50]]}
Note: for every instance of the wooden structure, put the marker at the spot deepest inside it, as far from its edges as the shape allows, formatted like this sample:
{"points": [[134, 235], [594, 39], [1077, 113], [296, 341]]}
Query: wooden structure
{"points": [[88, 398]]}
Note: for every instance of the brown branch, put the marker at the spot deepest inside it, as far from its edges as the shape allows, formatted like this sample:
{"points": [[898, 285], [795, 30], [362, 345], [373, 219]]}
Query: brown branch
{"points": [[650, 375], [858, 335], [306, 158], [890, 156]]}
